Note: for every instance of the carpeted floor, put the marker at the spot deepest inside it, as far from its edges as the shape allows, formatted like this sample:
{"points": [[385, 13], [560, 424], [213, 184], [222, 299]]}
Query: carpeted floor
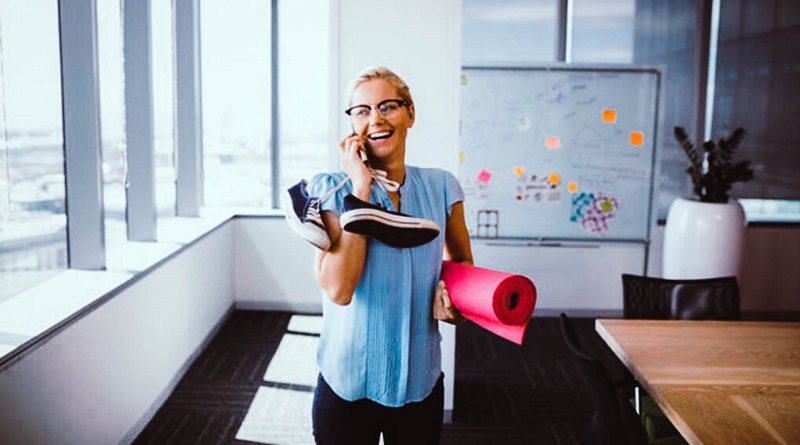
{"points": [[254, 381]]}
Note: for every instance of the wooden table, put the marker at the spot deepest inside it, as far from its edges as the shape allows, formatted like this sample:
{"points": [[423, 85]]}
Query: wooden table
{"points": [[718, 382]]}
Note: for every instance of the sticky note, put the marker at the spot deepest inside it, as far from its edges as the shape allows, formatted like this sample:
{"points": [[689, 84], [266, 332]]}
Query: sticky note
{"points": [[519, 171], [464, 80], [484, 176], [572, 187], [609, 116], [554, 179], [461, 156], [552, 142], [637, 138]]}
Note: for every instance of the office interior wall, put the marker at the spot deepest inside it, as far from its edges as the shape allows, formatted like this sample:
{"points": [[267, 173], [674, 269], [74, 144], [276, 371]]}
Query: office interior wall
{"points": [[421, 41], [273, 267], [99, 380]]}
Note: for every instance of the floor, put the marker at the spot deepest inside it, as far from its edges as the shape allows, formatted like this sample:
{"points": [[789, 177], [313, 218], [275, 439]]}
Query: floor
{"points": [[253, 384]]}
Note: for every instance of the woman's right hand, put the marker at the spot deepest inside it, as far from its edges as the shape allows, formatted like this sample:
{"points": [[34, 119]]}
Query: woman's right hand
{"points": [[351, 150]]}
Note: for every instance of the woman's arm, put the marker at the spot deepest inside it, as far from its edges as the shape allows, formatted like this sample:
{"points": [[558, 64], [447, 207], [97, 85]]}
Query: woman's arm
{"points": [[338, 270], [456, 242], [456, 248]]}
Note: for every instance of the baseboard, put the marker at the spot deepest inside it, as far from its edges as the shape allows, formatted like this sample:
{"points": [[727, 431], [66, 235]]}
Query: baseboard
{"points": [[148, 415], [749, 315], [579, 313], [280, 306]]}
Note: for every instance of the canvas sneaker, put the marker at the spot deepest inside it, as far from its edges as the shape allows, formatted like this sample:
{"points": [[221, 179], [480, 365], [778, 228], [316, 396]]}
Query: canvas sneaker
{"points": [[391, 228], [303, 215]]}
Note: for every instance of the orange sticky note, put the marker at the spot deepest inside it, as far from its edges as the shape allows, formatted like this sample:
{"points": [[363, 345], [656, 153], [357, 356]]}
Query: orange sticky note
{"points": [[572, 187], [554, 179], [519, 171], [637, 138], [552, 142], [609, 116]]}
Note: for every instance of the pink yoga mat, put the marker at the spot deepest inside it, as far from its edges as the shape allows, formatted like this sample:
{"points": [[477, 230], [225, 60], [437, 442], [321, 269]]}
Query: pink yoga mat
{"points": [[500, 302]]}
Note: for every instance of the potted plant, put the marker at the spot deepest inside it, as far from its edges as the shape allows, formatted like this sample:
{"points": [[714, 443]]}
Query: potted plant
{"points": [[703, 236]]}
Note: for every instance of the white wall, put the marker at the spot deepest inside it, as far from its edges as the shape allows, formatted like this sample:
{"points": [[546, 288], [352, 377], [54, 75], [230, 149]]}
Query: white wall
{"points": [[99, 380], [421, 41], [273, 267]]}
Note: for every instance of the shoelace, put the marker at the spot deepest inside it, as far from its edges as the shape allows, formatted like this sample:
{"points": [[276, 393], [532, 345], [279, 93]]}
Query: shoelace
{"points": [[380, 177]]}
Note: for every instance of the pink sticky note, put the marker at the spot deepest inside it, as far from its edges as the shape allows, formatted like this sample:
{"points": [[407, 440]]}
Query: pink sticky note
{"points": [[484, 176]]}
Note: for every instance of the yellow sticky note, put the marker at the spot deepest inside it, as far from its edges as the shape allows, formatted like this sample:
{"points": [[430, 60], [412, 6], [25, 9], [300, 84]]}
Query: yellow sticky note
{"points": [[609, 116], [461, 156], [637, 138], [572, 187], [552, 142], [519, 171]]}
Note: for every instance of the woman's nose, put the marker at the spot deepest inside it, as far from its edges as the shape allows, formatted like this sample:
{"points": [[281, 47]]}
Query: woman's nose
{"points": [[375, 116]]}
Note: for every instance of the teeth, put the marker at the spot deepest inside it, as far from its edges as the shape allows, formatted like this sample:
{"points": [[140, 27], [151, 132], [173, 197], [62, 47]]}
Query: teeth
{"points": [[381, 135]]}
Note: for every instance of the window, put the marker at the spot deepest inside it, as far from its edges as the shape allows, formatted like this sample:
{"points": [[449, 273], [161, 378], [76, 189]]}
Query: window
{"points": [[236, 95], [602, 32], [509, 31], [163, 72], [111, 75], [757, 80], [32, 218], [304, 90]]}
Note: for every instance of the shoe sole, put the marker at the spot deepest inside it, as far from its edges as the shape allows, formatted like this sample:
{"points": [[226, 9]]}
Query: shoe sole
{"points": [[314, 235], [413, 232]]}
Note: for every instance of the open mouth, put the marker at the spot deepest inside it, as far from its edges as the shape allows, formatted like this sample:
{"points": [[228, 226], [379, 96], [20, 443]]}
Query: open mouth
{"points": [[380, 135]]}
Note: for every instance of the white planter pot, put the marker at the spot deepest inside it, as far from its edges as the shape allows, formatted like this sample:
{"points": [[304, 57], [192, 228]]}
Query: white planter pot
{"points": [[703, 240]]}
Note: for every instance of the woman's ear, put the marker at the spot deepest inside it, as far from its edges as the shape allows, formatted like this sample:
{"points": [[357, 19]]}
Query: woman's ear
{"points": [[411, 113]]}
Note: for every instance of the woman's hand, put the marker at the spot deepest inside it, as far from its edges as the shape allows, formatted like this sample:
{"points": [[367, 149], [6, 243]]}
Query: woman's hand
{"points": [[352, 151], [443, 308]]}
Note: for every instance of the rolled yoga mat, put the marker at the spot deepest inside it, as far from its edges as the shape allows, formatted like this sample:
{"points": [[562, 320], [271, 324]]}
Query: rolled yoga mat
{"points": [[499, 302]]}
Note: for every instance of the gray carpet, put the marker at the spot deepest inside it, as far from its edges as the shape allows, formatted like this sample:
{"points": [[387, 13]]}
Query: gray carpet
{"points": [[240, 391]]}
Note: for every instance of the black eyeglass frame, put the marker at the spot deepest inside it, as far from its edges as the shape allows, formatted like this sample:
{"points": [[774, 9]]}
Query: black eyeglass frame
{"points": [[400, 102]]}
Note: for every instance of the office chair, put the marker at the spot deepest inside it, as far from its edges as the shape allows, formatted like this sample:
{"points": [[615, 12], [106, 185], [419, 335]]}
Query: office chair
{"points": [[614, 422], [665, 299], [669, 299]]}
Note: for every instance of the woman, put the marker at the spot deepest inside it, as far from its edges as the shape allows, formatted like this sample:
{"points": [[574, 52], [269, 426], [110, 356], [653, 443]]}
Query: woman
{"points": [[379, 356]]}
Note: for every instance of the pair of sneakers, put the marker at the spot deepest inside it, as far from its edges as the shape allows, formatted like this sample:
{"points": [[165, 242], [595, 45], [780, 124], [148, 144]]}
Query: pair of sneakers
{"points": [[394, 229]]}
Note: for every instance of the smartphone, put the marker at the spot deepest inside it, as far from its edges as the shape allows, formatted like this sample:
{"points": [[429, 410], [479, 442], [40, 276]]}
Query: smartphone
{"points": [[363, 152]]}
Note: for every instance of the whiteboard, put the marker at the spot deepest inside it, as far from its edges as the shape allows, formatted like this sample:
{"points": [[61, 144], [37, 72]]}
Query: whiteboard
{"points": [[558, 152]]}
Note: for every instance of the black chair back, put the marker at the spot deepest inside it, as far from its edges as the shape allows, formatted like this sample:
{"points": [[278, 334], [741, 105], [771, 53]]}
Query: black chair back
{"points": [[665, 299], [614, 421]]}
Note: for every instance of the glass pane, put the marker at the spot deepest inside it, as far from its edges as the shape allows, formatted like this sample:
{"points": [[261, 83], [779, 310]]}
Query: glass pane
{"points": [[235, 45], [757, 80], [111, 76], [162, 30], [32, 219], [602, 31], [304, 89], [664, 35], [509, 31]]}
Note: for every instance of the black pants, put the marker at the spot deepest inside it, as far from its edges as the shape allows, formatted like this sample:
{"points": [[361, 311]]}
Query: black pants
{"points": [[339, 422]]}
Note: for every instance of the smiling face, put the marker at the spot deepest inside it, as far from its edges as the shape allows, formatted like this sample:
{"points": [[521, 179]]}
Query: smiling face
{"points": [[385, 136]]}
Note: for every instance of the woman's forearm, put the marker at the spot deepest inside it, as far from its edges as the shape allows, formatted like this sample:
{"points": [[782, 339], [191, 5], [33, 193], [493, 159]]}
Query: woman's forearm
{"points": [[339, 269]]}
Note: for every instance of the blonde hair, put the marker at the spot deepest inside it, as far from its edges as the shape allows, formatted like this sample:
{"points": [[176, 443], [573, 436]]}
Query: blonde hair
{"points": [[387, 75]]}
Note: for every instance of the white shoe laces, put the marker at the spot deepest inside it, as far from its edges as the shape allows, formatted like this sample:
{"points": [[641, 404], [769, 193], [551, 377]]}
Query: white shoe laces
{"points": [[380, 177]]}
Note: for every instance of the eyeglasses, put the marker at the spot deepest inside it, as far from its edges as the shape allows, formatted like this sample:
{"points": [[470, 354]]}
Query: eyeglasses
{"points": [[388, 109]]}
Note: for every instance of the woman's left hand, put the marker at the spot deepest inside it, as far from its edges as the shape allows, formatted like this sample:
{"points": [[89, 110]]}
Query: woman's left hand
{"points": [[443, 308]]}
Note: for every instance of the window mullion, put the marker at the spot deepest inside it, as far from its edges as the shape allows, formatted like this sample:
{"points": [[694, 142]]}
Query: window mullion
{"points": [[140, 180], [188, 108], [82, 147]]}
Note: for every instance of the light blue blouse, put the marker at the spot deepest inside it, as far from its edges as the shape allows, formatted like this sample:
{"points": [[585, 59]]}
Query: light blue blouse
{"points": [[384, 345]]}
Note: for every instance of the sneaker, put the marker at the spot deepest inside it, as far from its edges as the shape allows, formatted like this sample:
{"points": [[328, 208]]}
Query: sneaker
{"points": [[303, 216], [391, 228]]}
